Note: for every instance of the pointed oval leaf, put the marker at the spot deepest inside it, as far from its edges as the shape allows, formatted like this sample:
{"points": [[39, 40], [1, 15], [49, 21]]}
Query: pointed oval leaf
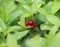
{"points": [[11, 41]]}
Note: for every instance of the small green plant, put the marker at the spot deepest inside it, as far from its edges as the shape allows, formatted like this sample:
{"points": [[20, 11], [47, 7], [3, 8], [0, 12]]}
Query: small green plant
{"points": [[29, 23]]}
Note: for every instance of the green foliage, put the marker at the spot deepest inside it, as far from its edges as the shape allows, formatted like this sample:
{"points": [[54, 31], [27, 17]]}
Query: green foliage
{"points": [[2, 25], [11, 41], [53, 20], [15, 33], [55, 7], [20, 35], [36, 41], [10, 29]]}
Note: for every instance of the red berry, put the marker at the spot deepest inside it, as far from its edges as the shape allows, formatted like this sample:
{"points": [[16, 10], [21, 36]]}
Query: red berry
{"points": [[27, 23], [32, 27], [34, 24], [31, 22]]}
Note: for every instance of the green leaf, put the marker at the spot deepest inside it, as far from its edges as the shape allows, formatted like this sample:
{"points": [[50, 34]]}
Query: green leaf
{"points": [[29, 2], [42, 11], [27, 8], [1, 1], [2, 39], [7, 6], [22, 1], [56, 0], [13, 28], [20, 35], [3, 44], [2, 25], [42, 18], [55, 42], [53, 30], [3, 14], [22, 18], [36, 41], [11, 41], [58, 14], [14, 15], [45, 26], [55, 7], [4, 7], [36, 5], [53, 20], [48, 7]]}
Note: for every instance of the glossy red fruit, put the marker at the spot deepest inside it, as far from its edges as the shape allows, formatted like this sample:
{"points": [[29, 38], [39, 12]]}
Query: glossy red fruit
{"points": [[31, 22], [32, 27], [27, 23], [34, 24]]}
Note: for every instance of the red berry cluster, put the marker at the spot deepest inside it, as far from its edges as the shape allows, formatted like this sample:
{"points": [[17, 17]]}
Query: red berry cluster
{"points": [[31, 23]]}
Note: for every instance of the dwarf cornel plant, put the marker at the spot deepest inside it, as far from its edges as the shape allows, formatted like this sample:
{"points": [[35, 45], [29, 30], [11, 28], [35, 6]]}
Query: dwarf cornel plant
{"points": [[29, 23]]}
